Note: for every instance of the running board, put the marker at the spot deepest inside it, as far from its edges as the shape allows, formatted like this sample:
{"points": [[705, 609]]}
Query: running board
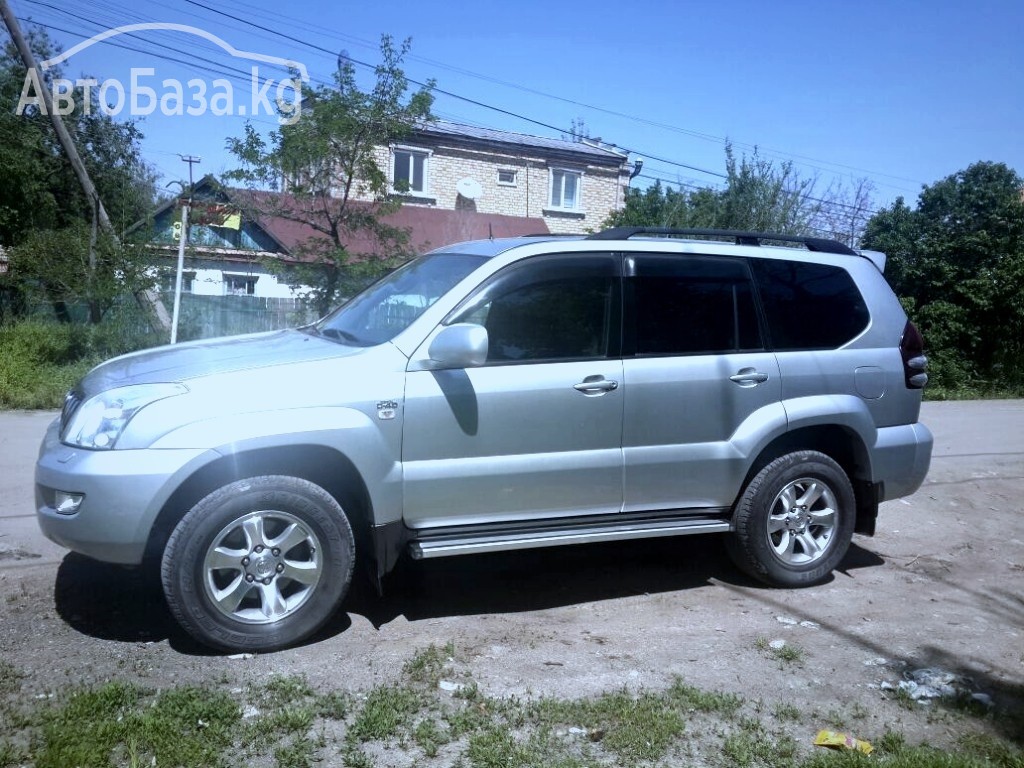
{"points": [[470, 544]]}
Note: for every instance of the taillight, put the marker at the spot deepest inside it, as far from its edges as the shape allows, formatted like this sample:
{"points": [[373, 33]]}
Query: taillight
{"points": [[915, 364]]}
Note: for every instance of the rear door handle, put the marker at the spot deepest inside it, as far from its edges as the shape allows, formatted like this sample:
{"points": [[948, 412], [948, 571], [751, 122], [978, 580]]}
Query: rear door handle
{"points": [[595, 385], [749, 377]]}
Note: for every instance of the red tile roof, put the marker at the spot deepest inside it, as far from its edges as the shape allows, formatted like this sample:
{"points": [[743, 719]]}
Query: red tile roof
{"points": [[428, 227]]}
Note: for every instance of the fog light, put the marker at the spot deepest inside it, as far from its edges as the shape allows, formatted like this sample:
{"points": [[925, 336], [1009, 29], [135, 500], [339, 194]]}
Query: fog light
{"points": [[67, 503]]}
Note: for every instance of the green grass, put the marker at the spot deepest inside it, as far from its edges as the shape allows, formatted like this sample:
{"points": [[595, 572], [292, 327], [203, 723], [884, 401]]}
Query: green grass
{"points": [[288, 723], [119, 723], [385, 711], [786, 654]]}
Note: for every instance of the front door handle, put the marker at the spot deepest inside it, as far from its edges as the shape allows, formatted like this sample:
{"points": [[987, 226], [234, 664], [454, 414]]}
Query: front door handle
{"points": [[595, 385], [749, 377]]}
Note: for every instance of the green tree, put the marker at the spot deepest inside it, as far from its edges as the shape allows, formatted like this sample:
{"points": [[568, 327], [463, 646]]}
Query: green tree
{"points": [[54, 265], [758, 196], [957, 260], [38, 189], [42, 203], [333, 182]]}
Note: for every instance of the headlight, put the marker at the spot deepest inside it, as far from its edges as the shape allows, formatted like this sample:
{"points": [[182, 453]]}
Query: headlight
{"points": [[101, 419]]}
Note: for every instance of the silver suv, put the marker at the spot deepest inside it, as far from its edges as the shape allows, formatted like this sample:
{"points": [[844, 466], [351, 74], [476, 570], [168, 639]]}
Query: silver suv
{"points": [[500, 395]]}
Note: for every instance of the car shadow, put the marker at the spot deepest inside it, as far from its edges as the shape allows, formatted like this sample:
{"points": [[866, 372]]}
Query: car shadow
{"points": [[110, 602], [539, 579]]}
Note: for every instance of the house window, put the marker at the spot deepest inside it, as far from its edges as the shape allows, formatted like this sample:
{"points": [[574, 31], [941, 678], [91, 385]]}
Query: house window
{"points": [[168, 277], [507, 177], [410, 171], [239, 285], [565, 189]]}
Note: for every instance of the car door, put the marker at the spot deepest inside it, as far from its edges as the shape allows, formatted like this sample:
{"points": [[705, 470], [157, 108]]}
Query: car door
{"points": [[536, 431], [697, 379]]}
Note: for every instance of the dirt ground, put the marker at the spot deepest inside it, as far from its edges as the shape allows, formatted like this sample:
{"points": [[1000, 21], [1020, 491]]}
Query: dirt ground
{"points": [[941, 586]]}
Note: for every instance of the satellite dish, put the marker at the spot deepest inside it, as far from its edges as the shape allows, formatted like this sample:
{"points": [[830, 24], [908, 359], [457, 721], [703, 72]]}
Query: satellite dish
{"points": [[469, 188]]}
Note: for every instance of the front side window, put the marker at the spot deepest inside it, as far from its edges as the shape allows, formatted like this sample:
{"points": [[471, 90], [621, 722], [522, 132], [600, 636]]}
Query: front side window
{"points": [[410, 171], [549, 309], [565, 189], [692, 305], [809, 306]]}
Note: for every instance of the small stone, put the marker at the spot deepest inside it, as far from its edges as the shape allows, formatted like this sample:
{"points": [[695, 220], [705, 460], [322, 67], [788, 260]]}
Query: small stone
{"points": [[786, 620], [777, 645], [448, 685]]}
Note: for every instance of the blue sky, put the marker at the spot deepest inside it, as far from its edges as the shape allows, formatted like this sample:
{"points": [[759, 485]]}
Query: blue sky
{"points": [[902, 94]]}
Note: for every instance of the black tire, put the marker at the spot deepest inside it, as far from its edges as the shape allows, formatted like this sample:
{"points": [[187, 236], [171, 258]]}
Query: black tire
{"points": [[231, 588], [794, 521]]}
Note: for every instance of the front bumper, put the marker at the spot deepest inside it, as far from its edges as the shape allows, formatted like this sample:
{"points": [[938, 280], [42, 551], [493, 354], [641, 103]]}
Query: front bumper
{"points": [[123, 492]]}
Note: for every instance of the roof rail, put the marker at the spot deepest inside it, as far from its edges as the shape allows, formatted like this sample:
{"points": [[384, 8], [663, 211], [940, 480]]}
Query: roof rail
{"points": [[819, 244]]}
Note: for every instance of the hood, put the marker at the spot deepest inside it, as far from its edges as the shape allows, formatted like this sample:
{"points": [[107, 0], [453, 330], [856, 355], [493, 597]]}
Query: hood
{"points": [[195, 359]]}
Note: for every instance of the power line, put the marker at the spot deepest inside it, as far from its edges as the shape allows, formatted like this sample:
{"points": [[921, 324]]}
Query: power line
{"points": [[220, 68]]}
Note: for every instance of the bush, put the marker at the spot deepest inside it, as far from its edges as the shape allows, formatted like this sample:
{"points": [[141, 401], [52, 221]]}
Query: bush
{"points": [[41, 360]]}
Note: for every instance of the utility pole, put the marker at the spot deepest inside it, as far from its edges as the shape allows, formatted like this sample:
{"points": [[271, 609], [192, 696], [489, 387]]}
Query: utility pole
{"points": [[66, 142], [181, 245], [146, 299]]}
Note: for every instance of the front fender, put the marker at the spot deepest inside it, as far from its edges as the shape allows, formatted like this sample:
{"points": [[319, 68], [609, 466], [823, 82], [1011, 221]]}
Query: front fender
{"points": [[373, 448]]}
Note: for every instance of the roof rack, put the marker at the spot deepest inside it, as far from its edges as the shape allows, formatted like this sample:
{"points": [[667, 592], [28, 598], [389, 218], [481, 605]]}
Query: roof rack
{"points": [[819, 244]]}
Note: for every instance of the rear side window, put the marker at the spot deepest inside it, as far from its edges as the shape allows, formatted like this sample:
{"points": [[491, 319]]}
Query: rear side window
{"points": [[809, 306], [692, 305]]}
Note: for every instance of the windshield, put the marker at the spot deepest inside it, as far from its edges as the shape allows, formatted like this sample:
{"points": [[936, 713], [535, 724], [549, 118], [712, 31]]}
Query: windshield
{"points": [[390, 305]]}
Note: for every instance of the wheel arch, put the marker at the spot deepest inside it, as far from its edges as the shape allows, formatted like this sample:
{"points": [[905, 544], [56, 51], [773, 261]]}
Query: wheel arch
{"points": [[841, 443], [326, 467]]}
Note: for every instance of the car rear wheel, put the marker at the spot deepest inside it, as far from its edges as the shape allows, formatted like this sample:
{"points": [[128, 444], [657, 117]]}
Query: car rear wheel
{"points": [[259, 564], [794, 521]]}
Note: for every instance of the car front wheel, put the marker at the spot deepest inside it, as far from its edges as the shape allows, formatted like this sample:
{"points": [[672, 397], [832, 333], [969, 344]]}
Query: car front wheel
{"points": [[259, 564], [794, 521]]}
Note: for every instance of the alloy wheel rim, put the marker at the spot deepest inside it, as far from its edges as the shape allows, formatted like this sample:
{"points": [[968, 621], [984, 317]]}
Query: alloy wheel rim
{"points": [[262, 567], [802, 521]]}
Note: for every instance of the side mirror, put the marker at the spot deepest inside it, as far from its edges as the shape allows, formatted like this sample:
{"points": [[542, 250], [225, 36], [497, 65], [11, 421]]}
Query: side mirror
{"points": [[463, 345]]}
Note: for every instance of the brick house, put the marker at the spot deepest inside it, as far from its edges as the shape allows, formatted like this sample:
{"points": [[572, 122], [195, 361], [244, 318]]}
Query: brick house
{"points": [[572, 185]]}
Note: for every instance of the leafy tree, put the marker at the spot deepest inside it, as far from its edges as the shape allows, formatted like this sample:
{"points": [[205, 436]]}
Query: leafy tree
{"points": [[55, 265], [758, 196], [38, 188], [42, 206], [957, 260], [334, 185]]}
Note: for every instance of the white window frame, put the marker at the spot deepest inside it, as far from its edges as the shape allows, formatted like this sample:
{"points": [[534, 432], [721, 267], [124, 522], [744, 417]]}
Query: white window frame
{"points": [[426, 154], [249, 280], [562, 173], [515, 177]]}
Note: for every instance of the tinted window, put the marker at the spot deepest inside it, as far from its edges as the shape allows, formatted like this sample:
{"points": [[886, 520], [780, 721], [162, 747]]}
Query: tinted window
{"points": [[559, 308], [693, 305], [809, 306]]}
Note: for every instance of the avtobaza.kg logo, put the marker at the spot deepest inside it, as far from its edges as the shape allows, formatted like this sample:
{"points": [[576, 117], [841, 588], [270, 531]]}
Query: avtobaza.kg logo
{"points": [[146, 93]]}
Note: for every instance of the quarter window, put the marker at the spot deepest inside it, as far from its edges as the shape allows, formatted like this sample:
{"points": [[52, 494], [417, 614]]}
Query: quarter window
{"points": [[410, 171], [809, 306], [565, 189], [507, 177], [693, 305]]}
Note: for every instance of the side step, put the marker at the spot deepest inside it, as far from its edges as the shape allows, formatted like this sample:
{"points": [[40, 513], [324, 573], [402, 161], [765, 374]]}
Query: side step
{"points": [[464, 543]]}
